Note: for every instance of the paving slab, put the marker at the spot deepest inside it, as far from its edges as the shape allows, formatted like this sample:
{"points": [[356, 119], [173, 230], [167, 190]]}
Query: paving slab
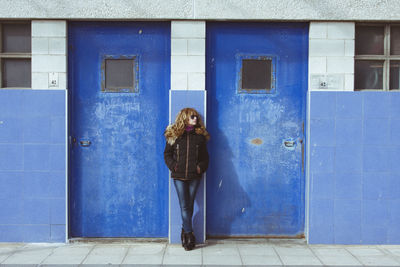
{"points": [[29, 255], [104, 254], [261, 260], [67, 254]]}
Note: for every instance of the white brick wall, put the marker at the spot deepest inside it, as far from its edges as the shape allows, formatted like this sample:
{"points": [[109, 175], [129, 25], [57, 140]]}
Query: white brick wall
{"points": [[188, 55], [49, 53], [331, 55]]}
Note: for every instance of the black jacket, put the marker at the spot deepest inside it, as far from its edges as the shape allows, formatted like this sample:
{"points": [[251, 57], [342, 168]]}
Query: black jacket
{"points": [[183, 157]]}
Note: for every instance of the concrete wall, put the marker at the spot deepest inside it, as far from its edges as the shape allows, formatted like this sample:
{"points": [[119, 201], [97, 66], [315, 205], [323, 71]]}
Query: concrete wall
{"points": [[203, 9], [331, 56]]}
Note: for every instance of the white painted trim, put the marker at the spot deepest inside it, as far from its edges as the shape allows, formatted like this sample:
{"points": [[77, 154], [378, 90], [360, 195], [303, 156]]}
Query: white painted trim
{"points": [[66, 166], [205, 175], [307, 189], [169, 176]]}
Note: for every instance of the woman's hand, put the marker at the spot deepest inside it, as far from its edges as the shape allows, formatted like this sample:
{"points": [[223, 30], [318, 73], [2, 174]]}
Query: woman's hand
{"points": [[198, 170]]}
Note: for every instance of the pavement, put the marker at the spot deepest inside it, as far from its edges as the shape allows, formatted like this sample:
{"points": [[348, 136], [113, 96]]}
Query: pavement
{"points": [[228, 252]]}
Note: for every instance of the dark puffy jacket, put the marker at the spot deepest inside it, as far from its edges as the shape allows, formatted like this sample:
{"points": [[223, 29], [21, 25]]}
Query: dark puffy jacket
{"points": [[183, 157]]}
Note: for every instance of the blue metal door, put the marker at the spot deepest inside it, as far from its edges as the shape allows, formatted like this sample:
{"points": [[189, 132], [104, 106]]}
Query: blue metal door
{"points": [[119, 76], [255, 182]]}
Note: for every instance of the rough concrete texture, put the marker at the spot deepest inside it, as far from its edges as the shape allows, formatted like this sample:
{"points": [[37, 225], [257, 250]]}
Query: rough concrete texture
{"points": [[357, 10], [97, 9]]}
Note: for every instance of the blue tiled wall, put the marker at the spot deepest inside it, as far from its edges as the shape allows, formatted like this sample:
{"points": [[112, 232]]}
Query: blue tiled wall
{"points": [[32, 166], [354, 194]]}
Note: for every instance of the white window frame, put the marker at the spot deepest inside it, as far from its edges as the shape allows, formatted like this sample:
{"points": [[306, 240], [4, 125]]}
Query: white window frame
{"points": [[386, 57]]}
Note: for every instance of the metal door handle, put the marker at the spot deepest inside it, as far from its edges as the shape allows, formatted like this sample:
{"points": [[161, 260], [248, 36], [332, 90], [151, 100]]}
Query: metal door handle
{"points": [[85, 143], [289, 143]]}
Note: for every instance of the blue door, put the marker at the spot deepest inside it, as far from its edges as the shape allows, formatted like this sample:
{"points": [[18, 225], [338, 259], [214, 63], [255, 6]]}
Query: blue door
{"points": [[119, 76], [256, 82]]}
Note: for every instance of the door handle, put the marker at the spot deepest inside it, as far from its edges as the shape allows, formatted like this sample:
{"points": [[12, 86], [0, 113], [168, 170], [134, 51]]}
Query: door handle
{"points": [[289, 143], [85, 143]]}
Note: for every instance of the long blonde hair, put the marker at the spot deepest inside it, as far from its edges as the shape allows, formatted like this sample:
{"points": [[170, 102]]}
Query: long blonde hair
{"points": [[176, 129]]}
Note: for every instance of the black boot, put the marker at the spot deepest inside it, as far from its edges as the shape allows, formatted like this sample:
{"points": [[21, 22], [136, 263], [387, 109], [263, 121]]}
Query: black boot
{"points": [[191, 241], [183, 240], [186, 244]]}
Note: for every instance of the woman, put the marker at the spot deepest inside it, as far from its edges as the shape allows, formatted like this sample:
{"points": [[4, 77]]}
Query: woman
{"points": [[186, 156]]}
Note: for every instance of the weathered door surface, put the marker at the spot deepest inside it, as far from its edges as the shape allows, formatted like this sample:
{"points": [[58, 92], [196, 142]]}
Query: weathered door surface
{"points": [[119, 81], [256, 82]]}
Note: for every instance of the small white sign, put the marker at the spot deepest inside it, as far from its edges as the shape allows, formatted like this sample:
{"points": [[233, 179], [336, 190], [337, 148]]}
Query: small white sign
{"points": [[328, 81], [53, 79]]}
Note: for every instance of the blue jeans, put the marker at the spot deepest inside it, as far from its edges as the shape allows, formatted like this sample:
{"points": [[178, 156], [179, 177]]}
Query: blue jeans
{"points": [[186, 193]]}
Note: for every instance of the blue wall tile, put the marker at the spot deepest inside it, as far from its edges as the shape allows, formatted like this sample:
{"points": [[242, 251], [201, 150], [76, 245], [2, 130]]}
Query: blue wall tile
{"points": [[44, 102], [11, 129], [348, 186], [347, 219], [394, 158], [57, 157], [37, 184], [349, 131], [11, 184], [348, 159], [394, 131], [376, 104], [348, 105], [36, 233], [57, 184], [376, 159], [58, 130], [376, 132], [11, 157], [57, 233], [395, 105], [374, 234], [37, 129], [323, 104], [393, 187], [322, 159], [374, 213], [11, 211], [321, 222], [322, 184], [375, 185], [57, 211], [11, 103], [393, 234], [37, 157], [11, 233], [36, 211], [323, 132]]}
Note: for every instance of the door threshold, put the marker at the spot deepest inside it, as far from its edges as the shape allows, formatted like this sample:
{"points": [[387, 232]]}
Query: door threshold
{"points": [[117, 240]]}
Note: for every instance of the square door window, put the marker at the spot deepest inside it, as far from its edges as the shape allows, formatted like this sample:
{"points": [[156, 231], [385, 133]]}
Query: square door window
{"points": [[256, 74], [119, 75]]}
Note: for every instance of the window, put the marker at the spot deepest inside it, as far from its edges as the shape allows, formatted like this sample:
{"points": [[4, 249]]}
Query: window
{"points": [[119, 74], [377, 57], [256, 74], [15, 55]]}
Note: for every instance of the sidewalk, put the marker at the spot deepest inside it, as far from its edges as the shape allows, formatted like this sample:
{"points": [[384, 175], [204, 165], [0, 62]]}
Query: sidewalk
{"points": [[266, 252]]}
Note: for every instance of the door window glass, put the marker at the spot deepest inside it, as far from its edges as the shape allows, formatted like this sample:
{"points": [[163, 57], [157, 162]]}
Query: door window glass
{"points": [[256, 74], [119, 75]]}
